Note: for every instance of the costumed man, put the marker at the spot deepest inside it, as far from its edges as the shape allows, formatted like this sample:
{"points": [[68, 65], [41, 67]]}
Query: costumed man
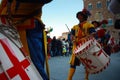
{"points": [[100, 31], [102, 35], [25, 15], [79, 32]]}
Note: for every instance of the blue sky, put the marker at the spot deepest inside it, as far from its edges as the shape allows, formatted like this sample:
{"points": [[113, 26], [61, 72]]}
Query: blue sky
{"points": [[60, 12]]}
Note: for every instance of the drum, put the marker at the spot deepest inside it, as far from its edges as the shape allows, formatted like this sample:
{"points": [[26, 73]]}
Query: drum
{"points": [[92, 56], [13, 64]]}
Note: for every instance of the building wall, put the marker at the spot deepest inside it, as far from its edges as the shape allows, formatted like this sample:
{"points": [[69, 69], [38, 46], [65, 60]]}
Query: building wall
{"points": [[105, 15], [100, 14], [64, 36], [103, 11]]}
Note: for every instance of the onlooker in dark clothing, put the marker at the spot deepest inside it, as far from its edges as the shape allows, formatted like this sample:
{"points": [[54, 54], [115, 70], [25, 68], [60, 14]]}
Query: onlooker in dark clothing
{"points": [[53, 47], [59, 48]]}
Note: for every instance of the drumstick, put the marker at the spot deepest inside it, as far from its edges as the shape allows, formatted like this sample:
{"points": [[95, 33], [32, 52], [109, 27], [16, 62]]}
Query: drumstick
{"points": [[67, 28]]}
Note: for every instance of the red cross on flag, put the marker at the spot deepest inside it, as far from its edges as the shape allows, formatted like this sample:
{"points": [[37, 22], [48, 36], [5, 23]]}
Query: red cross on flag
{"points": [[14, 66], [18, 68]]}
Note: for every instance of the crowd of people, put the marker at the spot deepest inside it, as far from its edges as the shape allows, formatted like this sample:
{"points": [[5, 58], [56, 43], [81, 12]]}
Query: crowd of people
{"points": [[57, 47], [78, 32], [35, 37]]}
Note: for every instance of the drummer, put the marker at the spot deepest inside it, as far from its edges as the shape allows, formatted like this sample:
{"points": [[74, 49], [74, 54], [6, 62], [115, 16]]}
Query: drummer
{"points": [[79, 31]]}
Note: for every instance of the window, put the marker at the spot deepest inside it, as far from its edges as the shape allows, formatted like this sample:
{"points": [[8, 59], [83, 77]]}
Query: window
{"points": [[110, 22], [108, 2], [98, 16], [89, 6], [99, 4]]}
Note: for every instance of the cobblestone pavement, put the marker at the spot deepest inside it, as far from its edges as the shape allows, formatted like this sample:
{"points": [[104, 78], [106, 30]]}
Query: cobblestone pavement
{"points": [[59, 67]]}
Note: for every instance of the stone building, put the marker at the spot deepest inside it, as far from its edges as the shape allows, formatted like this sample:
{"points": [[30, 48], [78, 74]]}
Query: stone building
{"points": [[99, 11], [64, 36]]}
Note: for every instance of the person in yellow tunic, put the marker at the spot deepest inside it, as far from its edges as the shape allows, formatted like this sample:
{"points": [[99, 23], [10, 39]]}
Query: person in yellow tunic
{"points": [[79, 31], [25, 15]]}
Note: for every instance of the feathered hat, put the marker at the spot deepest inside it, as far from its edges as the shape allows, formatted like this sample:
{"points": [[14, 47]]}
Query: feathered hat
{"points": [[85, 13]]}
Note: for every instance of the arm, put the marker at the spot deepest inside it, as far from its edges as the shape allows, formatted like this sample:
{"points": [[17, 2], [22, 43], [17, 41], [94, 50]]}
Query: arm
{"points": [[93, 32]]}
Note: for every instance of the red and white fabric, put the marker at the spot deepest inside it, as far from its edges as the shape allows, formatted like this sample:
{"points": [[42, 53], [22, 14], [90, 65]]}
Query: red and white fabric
{"points": [[13, 64], [92, 56]]}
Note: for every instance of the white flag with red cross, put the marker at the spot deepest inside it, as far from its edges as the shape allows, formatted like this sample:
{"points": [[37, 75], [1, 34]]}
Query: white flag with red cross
{"points": [[13, 65]]}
